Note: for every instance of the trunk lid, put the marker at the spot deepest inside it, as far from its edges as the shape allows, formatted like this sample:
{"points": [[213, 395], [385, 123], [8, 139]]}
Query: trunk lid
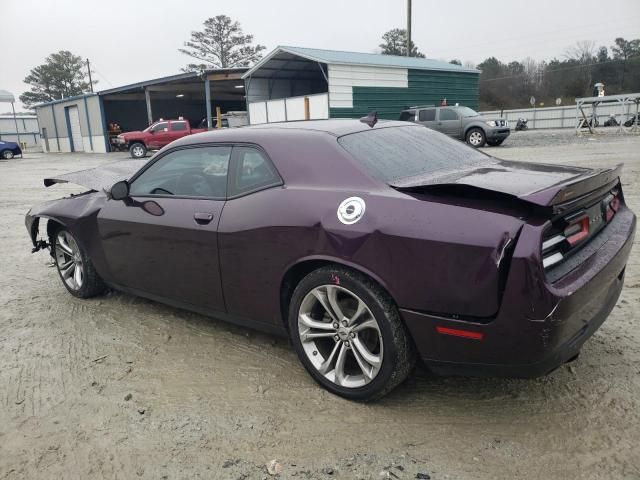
{"points": [[543, 185], [99, 178]]}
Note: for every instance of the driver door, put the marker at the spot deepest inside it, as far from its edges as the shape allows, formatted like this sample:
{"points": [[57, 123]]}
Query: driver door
{"points": [[163, 240], [159, 136], [449, 122]]}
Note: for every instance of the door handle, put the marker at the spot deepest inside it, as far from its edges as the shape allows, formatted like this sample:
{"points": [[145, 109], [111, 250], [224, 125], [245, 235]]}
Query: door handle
{"points": [[203, 218]]}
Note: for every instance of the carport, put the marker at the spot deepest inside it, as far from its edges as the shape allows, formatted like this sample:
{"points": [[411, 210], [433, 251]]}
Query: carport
{"points": [[82, 124], [295, 83], [192, 95]]}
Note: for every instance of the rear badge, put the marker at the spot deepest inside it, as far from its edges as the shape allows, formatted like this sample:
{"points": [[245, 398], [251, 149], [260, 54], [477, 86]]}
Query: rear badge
{"points": [[351, 210]]}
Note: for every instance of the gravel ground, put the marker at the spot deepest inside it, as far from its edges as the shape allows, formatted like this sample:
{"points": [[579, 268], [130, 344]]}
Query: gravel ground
{"points": [[121, 387]]}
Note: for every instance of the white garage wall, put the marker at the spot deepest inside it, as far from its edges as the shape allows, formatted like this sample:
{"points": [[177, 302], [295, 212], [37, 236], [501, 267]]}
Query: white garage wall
{"points": [[289, 109], [258, 112], [276, 111], [342, 79]]}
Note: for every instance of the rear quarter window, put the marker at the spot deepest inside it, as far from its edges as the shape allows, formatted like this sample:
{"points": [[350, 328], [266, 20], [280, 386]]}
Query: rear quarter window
{"points": [[408, 116], [395, 153], [427, 115]]}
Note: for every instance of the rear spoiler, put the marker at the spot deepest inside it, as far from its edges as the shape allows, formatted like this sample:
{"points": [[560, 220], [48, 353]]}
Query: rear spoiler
{"points": [[558, 188], [573, 189]]}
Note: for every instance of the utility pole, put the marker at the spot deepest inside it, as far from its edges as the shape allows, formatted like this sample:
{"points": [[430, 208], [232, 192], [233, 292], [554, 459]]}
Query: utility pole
{"points": [[408, 28], [89, 70]]}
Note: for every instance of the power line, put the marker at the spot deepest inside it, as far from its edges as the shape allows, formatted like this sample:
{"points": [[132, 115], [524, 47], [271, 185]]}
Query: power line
{"points": [[504, 42], [102, 76]]}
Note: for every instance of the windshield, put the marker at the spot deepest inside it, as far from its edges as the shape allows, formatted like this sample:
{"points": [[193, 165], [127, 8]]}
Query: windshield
{"points": [[467, 112], [395, 153]]}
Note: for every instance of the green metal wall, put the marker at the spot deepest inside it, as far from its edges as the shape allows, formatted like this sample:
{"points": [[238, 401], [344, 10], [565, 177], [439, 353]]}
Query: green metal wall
{"points": [[425, 88]]}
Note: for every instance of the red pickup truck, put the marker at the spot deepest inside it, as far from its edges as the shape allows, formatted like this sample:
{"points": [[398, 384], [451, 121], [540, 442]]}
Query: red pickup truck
{"points": [[155, 136]]}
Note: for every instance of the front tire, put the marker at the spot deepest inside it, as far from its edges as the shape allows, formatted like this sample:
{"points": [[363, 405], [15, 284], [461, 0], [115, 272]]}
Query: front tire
{"points": [[476, 137], [138, 150], [348, 334], [74, 266], [7, 154]]}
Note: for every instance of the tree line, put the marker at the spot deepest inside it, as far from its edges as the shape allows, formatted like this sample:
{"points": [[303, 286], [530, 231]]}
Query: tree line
{"points": [[511, 85], [223, 44]]}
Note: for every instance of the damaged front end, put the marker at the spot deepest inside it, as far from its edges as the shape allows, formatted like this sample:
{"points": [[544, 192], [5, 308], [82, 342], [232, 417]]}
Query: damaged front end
{"points": [[76, 208], [33, 223]]}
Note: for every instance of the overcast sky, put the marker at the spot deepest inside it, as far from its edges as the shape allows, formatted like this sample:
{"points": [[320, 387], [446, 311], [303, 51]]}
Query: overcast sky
{"points": [[134, 40]]}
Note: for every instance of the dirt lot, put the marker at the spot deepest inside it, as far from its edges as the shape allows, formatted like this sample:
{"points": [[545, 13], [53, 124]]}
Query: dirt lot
{"points": [[210, 400]]}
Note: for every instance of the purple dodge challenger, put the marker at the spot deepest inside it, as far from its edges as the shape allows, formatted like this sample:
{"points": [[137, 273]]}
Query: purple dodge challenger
{"points": [[367, 245]]}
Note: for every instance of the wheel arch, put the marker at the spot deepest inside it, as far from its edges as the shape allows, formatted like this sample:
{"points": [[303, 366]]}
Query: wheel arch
{"points": [[296, 271], [472, 126], [53, 224]]}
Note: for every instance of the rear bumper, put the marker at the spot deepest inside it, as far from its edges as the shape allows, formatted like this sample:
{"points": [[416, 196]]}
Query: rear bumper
{"points": [[540, 325]]}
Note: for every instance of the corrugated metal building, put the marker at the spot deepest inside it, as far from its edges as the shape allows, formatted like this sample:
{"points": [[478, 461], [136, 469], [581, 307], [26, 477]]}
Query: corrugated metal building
{"points": [[27, 128], [74, 124], [81, 124], [351, 84]]}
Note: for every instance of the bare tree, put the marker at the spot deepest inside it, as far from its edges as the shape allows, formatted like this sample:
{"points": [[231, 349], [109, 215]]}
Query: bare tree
{"points": [[583, 51]]}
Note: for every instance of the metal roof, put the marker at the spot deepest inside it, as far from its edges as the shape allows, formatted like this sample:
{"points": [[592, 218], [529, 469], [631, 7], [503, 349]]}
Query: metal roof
{"points": [[340, 57], [172, 78], [6, 96], [62, 100], [146, 83]]}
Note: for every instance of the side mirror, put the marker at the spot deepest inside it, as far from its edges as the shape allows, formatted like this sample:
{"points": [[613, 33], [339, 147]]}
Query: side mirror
{"points": [[120, 190]]}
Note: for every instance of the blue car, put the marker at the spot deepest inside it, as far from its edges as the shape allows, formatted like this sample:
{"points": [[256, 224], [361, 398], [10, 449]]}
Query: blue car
{"points": [[8, 150]]}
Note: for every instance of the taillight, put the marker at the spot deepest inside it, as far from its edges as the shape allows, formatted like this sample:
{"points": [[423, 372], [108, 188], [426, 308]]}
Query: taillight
{"points": [[571, 231], [577, 230]]}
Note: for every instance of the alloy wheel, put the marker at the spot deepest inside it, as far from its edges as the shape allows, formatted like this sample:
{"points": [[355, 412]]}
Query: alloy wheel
{"points": [[138, 151], [340, 336], [7, 154], [69, 260], [475, 138]]}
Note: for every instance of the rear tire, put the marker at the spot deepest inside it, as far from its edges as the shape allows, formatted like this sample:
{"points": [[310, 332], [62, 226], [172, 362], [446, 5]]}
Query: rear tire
{"points": [[74, 266], [476, 138], [348, 334], [138, 150], [7, 154]]}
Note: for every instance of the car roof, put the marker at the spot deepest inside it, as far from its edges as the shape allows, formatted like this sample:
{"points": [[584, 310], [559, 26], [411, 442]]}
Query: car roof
{"points": [[334, 127]]}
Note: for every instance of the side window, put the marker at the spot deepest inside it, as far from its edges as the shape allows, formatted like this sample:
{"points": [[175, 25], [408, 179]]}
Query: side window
{"points": [[408, 116], [190, 172], [251, 171], [178, 126], [448, 114], [427, 115], [160, 127]]}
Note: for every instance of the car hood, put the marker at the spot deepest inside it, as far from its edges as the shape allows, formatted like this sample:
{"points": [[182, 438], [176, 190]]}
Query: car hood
{"points": [[540, 184], [133, 133], [99, 178]]}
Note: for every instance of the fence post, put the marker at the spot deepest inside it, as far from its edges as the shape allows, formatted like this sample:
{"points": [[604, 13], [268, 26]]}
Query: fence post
{"points": [[562, 119], [307, 114]]}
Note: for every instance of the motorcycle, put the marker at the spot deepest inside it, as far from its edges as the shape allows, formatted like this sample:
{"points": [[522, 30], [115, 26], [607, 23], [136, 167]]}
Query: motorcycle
{"points": [[521, 124], [611, 121], [631, 121]]}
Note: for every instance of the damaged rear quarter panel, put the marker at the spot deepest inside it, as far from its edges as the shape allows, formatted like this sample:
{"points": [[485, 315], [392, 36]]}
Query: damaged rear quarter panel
{"points": [[434, 257]]}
